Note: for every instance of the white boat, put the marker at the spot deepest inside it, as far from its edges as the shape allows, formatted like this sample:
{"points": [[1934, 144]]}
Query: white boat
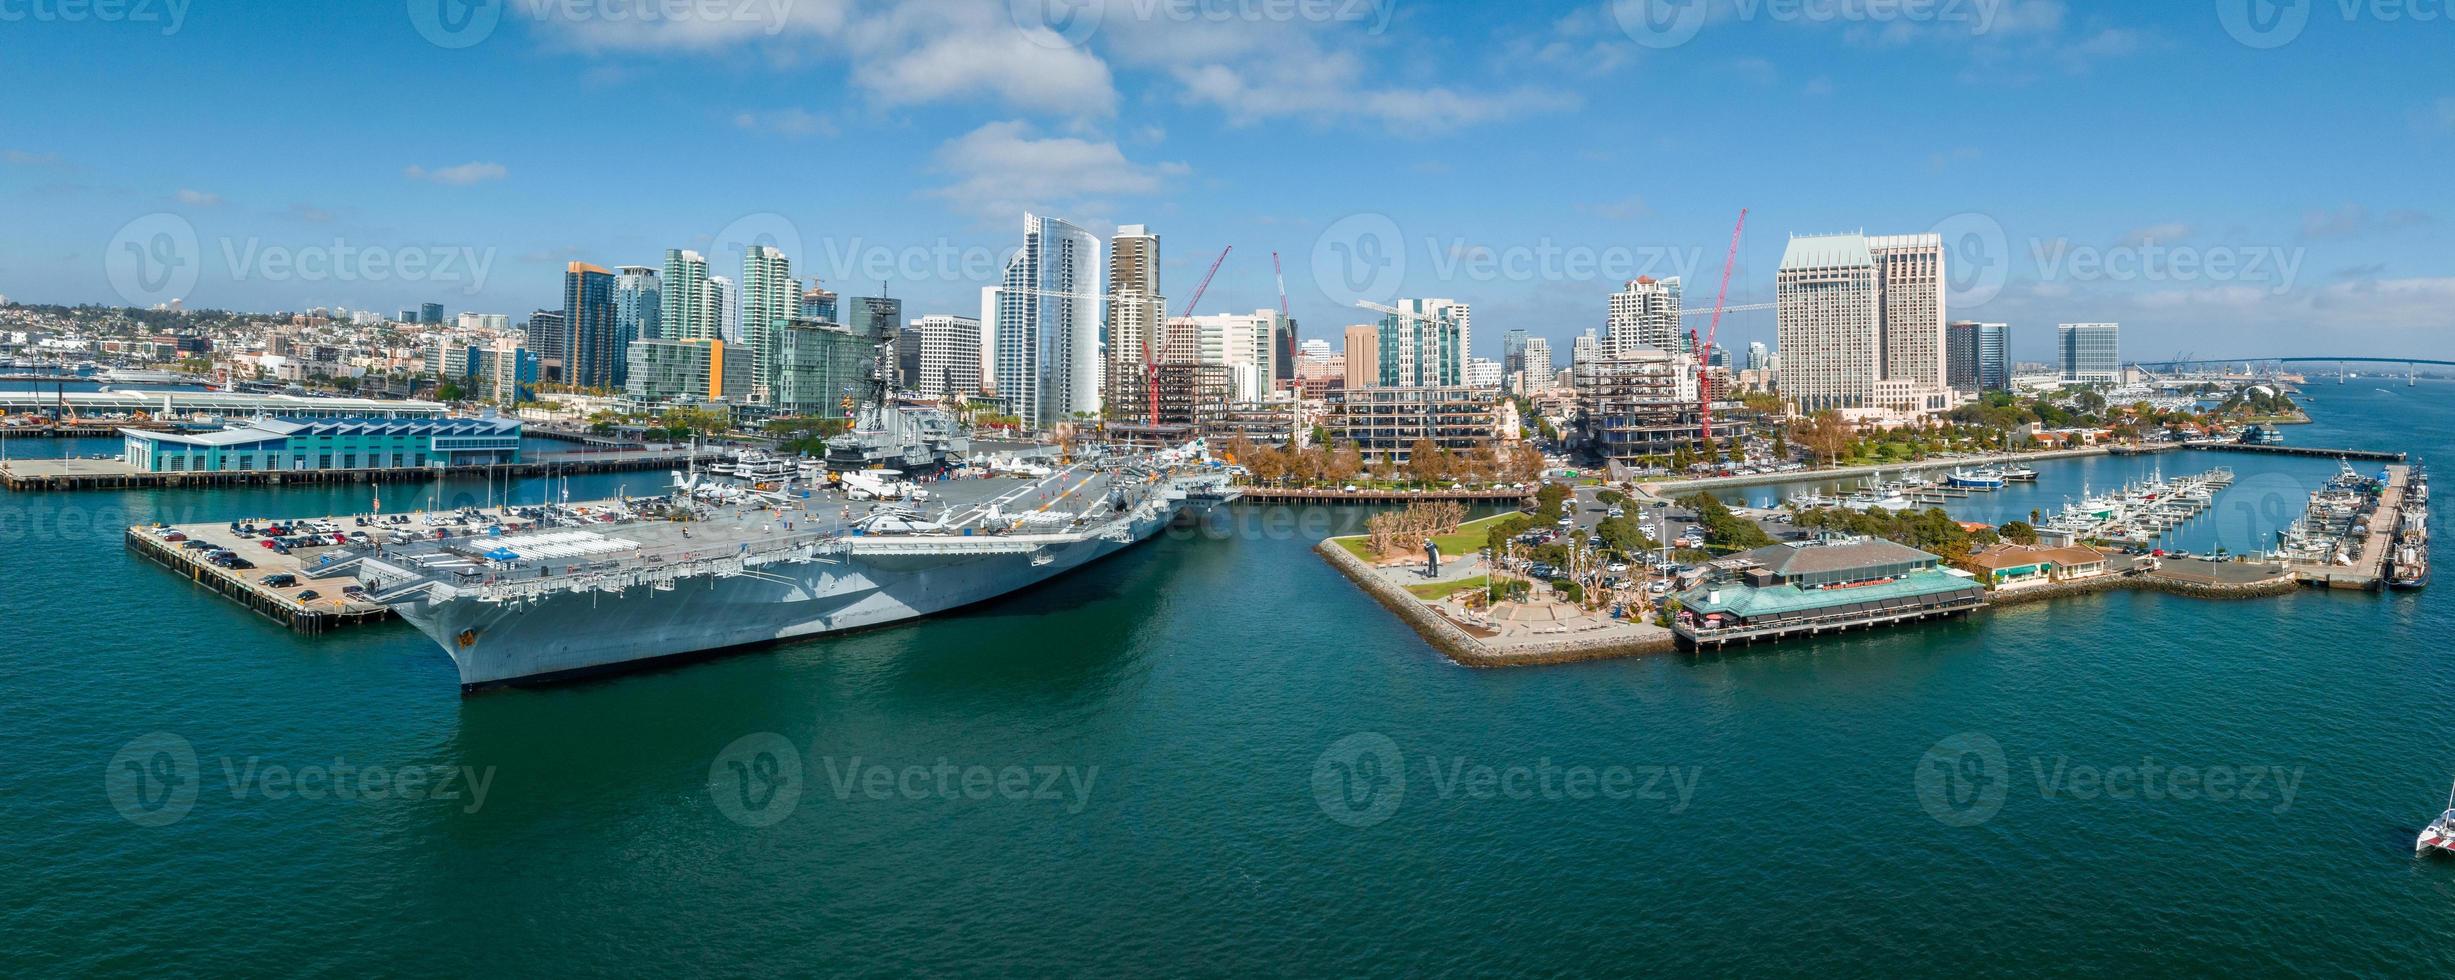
{"points": [[2439, 836]]}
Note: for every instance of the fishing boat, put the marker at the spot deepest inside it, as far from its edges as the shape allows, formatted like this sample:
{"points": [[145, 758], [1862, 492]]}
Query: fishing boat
{"points": [[1983, 478], [2019, 474]]}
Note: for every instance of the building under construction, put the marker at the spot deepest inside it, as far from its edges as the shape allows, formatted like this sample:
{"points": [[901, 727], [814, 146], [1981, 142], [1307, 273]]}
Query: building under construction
{"points": [[1386, 423], [1184, 394], [1641, 403]]}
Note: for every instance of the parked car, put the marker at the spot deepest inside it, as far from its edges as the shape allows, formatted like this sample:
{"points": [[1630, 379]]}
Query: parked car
{"points": [[310, 595], [280, 580]]}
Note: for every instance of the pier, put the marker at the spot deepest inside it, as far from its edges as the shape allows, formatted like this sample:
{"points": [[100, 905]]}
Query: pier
{"points": [[2366, 455], [1278, 496], [2367, 540], [281, 604], [110, 474]]}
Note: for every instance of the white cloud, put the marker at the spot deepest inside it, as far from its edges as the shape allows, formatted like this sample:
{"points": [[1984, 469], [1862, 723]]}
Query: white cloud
{"points": [[196, 198], [461, 175], [2169, 233], [1003, 169]]}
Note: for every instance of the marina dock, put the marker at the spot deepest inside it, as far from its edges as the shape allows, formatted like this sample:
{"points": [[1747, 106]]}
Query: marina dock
{"points": [[1269, 495], [2365, 455], [2350, 549]]}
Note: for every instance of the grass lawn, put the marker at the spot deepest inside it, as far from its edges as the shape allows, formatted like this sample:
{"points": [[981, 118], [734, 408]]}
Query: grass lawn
{"points": [[1441, 590], [1466, 540]]}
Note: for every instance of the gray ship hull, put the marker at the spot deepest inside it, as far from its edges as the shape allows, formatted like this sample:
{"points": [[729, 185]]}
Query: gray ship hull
{"points": [[871, 582]]}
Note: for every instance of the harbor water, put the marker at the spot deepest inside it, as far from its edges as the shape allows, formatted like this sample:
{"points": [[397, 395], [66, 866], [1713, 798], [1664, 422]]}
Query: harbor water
{"points": [[1210, 754]]}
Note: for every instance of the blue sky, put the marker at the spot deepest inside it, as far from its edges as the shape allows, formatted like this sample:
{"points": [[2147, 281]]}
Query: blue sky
{"points": [[2221, 176]]}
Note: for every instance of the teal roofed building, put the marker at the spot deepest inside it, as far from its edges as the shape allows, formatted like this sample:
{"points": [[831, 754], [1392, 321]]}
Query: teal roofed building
{"points": [[326, 444], [1785, 591]]}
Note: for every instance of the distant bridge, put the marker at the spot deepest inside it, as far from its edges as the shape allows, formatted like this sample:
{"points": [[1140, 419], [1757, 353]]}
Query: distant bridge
{"points": [[2169, 365]]}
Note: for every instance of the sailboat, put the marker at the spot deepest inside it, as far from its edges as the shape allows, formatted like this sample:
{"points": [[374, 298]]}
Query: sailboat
{"points": [[2440, 834]]}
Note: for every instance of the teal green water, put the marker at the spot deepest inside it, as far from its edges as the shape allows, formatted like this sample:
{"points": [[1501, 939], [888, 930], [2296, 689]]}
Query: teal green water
{"points": [[1198, 701]]}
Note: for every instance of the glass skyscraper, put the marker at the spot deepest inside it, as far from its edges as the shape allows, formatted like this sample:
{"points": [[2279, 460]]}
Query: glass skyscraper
{"points": [[2090, 351], [591, 354]]}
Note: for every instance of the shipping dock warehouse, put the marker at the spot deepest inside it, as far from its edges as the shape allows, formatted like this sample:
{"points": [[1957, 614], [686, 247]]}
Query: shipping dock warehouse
{"points": [[325, 444], [1783, 591]]}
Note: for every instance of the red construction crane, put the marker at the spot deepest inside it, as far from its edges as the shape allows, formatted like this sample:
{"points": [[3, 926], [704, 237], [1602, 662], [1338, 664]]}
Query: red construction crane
{"points": [[1150, 365], [1704, 354]]}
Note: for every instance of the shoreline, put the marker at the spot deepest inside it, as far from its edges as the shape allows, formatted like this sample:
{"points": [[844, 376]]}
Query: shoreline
{"points": [[1467, 650]]}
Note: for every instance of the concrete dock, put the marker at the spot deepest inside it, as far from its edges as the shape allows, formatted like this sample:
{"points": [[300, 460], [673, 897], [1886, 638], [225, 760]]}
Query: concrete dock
{"points": [[2368, 572]]}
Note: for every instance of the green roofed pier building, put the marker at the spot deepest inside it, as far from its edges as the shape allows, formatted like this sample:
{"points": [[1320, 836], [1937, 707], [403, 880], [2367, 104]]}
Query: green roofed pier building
{"points": [[1785, 591]]}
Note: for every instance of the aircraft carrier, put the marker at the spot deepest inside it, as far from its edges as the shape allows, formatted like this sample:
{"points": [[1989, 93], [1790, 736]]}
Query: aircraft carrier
{"points": [[717, 567]]}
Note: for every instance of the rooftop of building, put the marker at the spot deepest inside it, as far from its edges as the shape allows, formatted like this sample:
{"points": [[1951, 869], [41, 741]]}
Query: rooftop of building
{"points": [[267, 429], [1749, 602], [1792, 560], [1827, 252], [2022, 556]]}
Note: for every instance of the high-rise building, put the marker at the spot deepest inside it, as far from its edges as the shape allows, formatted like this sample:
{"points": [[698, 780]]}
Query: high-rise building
{"points": [[1756, 355], [1536, 362], [694, 369], [1423, 344], [684, 313], [1994, 357], [818, 303], [875, 317], [1910, 307], [430, 314], [1961, 355], [1645, 314], [1045, 323], [1584, 347], [589, 347], [638, 302], [1137, 311], [1363, 356], [950, 356], [819, 366], [407, 316], [1513, 351], [770, 294], [1826, 293], [1482, 372], [543, 332], [723, 306], [1246, 343], [2090, 352]]}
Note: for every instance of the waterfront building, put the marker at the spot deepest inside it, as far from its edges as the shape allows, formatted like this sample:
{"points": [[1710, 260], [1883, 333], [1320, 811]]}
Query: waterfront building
{"points": [[684, 311], [1645, 314], [950, 356], [589, 348], [325, 444], [820, 366], [1363, 356], [769, 295], [1137, 311], [687, 369], [1828, 321], [638, 302], [1385, 423], [504, 373], [2090, 352], [1424, 344], [1829, 585], [2011, 566], [1910, 298], [1045, 322], [1642, 403]]}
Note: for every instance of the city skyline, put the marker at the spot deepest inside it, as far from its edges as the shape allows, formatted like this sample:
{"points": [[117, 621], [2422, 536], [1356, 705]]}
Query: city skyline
{"points": [[1142, 120]]}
